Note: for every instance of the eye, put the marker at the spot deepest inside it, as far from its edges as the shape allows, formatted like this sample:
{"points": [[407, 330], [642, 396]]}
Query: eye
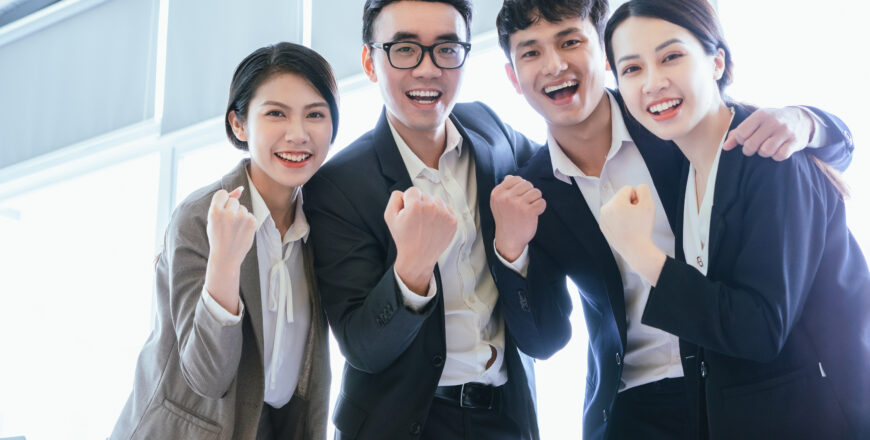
{"points": [[629, 69], [275, 113], [316, 115], [672, 56], [447, 50], [571, 43], [529, 54]]}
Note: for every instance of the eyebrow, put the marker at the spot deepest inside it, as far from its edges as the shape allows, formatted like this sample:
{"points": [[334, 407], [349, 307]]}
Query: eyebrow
{"points": [[285, 106], [559, 34], [402, 36], [658, 48]]}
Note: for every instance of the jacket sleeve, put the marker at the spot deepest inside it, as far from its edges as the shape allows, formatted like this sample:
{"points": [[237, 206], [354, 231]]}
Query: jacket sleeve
{"points": [[209, 352], [775, 255], [356, 279], [536, 308], [839, 147]]}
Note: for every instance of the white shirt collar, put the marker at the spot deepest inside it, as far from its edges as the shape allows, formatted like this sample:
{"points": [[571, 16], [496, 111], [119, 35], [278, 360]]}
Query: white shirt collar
{"points": [[416, 167], [564, 169], [298, 230]]}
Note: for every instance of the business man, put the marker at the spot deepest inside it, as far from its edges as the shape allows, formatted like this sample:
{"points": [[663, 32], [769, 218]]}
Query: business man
{"points": [[402, 236], [636, 378]]}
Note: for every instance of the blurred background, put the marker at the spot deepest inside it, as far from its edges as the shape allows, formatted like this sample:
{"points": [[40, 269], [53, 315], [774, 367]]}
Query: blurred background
{"points": [[111, 113]]}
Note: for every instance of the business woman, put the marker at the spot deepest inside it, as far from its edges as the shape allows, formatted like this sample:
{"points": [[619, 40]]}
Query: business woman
{"points": [[769, 293], [240, 347]]}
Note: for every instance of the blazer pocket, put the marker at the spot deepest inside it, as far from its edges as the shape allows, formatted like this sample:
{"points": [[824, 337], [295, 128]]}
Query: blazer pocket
{"points": [[762, 386], [169, 420], [348, 417]]}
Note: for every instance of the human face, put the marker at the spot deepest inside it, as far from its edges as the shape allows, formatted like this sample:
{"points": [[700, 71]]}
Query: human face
{"points": [[559, 68], [418, 99], [288, 130], [667, 79]]}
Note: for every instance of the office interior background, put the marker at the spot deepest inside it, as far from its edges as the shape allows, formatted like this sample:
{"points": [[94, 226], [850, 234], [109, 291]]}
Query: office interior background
{"points": [[111, 113]]}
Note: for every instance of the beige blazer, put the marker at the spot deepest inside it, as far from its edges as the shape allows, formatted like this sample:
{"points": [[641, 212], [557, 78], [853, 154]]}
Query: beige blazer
{"points": [[196, 379]]}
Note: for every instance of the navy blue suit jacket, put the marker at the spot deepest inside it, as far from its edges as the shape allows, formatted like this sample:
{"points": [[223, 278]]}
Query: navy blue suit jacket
{"points": [[780, 326], [569, 243], [394, 355]]}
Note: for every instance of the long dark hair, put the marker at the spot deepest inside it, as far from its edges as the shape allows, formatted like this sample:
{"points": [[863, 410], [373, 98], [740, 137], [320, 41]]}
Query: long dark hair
{"points": [[268, 61]]}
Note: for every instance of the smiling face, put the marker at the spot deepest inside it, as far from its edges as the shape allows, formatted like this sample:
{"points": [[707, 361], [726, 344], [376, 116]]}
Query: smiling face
{"points": [[288, 129], [559, 68], [418, 99], [667, 79]]}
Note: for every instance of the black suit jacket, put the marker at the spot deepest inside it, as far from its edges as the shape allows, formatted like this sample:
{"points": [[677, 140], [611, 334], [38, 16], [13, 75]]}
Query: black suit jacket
{"points": [[780, 326], [569, 243], [395, 355]]}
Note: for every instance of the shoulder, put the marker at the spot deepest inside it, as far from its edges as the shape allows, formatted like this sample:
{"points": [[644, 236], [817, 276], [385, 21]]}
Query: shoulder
{"points": [[478, 117], [538, 166]]}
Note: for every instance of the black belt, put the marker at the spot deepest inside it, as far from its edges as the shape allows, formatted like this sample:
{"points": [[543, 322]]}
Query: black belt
{"points": [[470, 395]]}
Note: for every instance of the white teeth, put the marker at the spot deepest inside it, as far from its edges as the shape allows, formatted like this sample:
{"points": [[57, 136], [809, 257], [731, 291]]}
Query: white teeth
{"points": [[424, 94], [551, 89], [294, 157], [658, 108]]}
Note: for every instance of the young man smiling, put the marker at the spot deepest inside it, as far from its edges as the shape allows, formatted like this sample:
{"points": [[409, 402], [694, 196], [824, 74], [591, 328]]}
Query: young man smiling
{"points": [[402, 236], [636, 374]]}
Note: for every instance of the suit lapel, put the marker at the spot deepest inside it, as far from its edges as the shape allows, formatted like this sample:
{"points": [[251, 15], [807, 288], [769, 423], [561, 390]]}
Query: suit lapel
{"points": [[392, 166], [249, 283], [566, 200]]}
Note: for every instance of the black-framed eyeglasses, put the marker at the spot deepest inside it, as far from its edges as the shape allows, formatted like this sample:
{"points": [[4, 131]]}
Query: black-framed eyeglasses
{"points": [[409, 54]]}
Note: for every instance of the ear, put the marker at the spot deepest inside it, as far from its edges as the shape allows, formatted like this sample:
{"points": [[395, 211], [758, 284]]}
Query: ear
{"points": [[512, 76], [238, 127], [368, 64], [719, 64]]}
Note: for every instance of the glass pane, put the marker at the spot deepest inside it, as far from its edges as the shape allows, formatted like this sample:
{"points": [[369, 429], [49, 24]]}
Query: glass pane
{"points": [[202, 166], [77, 261]]}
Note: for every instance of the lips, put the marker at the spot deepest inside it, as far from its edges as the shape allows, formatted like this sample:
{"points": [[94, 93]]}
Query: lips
{"points": [[562, 90], [424, 96], [664, 109], [294, 159]]}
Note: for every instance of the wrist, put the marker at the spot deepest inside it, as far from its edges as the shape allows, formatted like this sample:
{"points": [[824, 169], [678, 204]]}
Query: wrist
{"points": [[416, 277], [509, 251], [648, 263]]}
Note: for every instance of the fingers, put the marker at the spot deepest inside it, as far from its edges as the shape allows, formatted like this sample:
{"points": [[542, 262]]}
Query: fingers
{"points": [[218, 200], [741, 133], [237, 192], [785, 150], [394, 205]]}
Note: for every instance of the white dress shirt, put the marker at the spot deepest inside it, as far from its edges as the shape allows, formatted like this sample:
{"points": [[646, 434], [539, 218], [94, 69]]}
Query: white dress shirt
{"points": [[651, 354], [470, 294], [284, 296], [696, 219]]}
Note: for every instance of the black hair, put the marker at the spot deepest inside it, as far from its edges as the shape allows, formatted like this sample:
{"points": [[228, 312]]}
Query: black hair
{"points": [[516, 15], [696, 16], [268, 61], [372, 9]]}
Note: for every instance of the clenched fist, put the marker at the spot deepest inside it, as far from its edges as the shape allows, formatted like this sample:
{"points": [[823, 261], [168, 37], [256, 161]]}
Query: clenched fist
{"points": [[627, 222], [422, 227], [230, 231], [516, 205]]}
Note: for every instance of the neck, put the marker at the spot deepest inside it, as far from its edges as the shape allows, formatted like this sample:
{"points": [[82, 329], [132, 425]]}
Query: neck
{"points": [[588, 142], [702, 143], [428, 145], [280, 199]]}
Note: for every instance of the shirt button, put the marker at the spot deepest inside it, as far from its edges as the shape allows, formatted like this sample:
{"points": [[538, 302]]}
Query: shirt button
{"points": [[703, 369], [437, 361], [416, 428], [700, 261], [618, 359], [604, 414]]}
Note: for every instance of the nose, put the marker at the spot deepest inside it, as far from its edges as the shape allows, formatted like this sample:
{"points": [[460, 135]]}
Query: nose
{"points": [[655, 81], [426, 68], [553, 63], [295, 132]]}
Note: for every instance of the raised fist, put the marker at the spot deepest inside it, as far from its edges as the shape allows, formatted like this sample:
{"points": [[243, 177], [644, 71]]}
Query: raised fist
{"points": [[230, 228], [422, 227], [516, 205]]}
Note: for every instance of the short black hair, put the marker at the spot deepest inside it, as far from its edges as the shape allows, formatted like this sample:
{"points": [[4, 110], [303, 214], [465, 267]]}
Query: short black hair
{"points": [[696, 16], [372, 9], [516, 15], [275, 59]]}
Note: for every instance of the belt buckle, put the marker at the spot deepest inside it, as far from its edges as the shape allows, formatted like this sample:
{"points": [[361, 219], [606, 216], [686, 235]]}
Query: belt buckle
{"points": [[462, 403]]}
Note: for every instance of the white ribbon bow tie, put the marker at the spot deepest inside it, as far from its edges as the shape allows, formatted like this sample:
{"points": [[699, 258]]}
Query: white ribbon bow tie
{"points": [[281, 301]]}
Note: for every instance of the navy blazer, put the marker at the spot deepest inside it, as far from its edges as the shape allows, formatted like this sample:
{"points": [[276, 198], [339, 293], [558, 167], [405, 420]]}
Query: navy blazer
{"points": [[569, 243], [394, 355], [779, 329]]}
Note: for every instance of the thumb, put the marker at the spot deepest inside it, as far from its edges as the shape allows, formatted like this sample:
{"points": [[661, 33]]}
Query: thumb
{"points": [[644, 196], [394, 205], [236, 193], [730, 141]]}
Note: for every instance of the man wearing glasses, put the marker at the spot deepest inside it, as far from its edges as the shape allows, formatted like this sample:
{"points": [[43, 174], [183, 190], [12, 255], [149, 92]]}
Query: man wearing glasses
{"points": [[403, 241]]}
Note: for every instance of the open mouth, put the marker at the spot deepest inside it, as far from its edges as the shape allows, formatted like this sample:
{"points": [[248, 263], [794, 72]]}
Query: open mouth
{"points": [[561, 91], [423, 96], [294, 158], [665, 107]]}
